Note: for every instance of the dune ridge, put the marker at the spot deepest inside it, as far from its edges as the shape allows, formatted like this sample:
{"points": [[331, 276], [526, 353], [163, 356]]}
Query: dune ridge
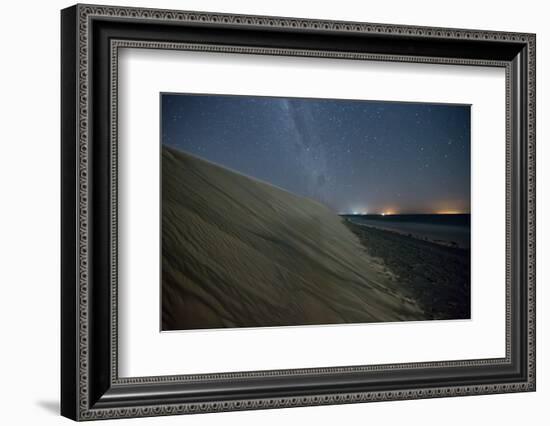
{"points": [[238, 252]]}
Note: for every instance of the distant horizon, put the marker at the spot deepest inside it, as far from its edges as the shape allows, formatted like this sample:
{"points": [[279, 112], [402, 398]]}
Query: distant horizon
{"points": [[405, 214], [338, 213], [354, 157]]}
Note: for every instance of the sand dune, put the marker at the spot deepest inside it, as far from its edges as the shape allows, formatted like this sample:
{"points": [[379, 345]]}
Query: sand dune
{"points": [[237, 252]]}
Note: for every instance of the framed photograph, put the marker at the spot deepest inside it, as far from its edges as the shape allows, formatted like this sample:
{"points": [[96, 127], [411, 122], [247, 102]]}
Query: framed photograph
{"points": [[263, 212]]}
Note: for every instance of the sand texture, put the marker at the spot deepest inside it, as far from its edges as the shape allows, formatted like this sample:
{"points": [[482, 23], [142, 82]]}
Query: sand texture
{"points": [[237, 252]]}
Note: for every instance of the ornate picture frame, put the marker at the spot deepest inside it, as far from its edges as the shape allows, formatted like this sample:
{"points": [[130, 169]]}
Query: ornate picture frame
{"points": [[91, 37]]}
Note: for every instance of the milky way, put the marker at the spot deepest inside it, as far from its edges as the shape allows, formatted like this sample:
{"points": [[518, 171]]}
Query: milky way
{"points": [[361, 156]]}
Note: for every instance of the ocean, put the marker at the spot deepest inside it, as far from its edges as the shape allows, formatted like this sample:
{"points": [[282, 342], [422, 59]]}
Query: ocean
{"points": [[447, 229]]}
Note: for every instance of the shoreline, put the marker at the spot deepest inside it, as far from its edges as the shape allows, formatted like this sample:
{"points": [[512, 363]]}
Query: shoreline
{"points": [[449, 235], [419, 237]]}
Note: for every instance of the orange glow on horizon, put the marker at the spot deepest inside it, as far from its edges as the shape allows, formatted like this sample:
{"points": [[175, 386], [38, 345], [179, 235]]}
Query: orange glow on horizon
{"points": [[395, 212], [449, 212]]}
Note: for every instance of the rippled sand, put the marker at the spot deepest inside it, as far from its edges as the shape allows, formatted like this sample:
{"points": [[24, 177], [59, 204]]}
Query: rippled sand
{"points": [[237, 252]]}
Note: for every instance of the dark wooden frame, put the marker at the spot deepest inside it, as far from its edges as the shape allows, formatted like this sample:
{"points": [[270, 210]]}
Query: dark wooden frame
{"points": [[90, 386]]}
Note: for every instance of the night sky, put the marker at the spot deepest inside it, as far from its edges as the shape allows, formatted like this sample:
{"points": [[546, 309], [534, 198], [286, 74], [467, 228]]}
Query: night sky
{"points": [[353, 156]]}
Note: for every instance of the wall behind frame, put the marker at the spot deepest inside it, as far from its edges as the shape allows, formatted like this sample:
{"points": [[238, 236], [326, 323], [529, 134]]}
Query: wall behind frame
{"points": [[30, 224]]}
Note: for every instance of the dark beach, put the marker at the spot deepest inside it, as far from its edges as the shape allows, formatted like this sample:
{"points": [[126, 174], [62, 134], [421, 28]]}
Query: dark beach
{"points": [[435, 275]]}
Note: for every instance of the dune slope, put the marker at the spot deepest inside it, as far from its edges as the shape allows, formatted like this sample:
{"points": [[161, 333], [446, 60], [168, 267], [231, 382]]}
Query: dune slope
{"points": [[237, 252]]}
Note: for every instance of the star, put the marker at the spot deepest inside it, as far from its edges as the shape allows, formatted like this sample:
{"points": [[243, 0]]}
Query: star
{"points": [[326, 149]]}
